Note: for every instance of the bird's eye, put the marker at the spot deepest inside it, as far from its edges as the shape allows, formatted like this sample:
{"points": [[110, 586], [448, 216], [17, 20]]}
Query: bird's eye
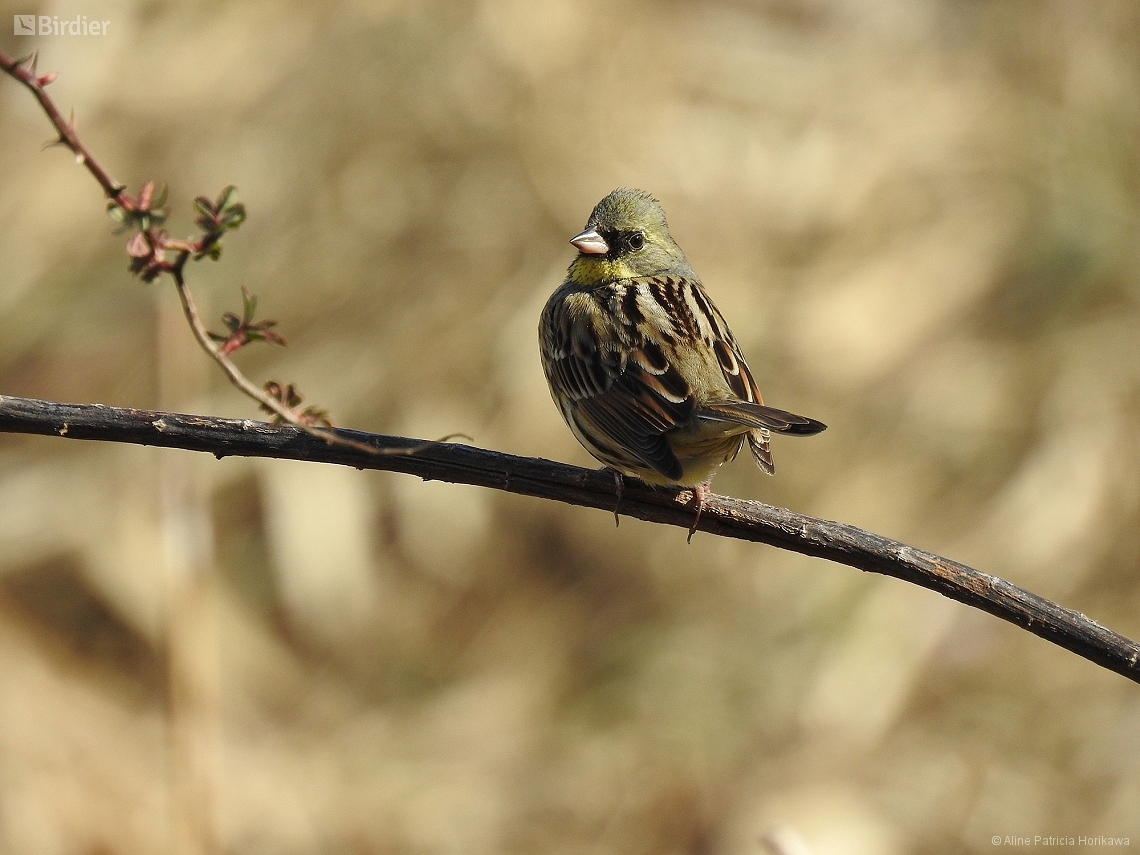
{"points": [[635, 241]]}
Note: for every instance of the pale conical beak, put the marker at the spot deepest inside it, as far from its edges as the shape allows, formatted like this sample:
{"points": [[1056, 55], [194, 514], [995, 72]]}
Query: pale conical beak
{"points": [[590, 243]]}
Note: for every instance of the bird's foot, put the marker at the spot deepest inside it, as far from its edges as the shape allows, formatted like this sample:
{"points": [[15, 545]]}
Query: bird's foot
{"points": [[700, 493], [619, 488]]}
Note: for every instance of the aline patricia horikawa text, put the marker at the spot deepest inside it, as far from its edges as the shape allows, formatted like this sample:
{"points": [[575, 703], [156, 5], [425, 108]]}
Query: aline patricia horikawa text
{"points": [[1059, 840]]}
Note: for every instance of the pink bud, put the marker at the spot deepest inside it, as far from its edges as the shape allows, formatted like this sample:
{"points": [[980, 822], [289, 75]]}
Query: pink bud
{"points": [[138, 246]]}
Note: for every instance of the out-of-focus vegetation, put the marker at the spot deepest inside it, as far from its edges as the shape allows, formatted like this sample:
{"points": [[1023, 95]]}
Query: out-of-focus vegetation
{"points": [[920, 217]]}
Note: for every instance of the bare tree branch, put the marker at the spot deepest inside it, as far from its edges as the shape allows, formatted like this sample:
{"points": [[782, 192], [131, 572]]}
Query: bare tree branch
{"points": [[545, 479]]}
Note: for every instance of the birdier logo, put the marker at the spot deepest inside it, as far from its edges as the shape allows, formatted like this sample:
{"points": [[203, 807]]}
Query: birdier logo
{"points": [[53, 25]]}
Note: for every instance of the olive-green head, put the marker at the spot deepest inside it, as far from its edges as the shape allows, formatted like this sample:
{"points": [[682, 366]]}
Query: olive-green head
{"points": [[626, 237]]}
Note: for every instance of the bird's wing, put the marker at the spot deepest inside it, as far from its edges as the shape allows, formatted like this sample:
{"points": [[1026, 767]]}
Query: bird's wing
{"points": [[621, 389], [748, 408], [724, 353]]}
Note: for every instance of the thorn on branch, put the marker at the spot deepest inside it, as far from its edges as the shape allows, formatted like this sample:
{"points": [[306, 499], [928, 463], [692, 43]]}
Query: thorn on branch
{"points": [[30, 61]]}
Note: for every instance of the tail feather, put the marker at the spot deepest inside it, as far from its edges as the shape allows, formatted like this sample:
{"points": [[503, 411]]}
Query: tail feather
{"points": [[761, 418], [759, 443]]}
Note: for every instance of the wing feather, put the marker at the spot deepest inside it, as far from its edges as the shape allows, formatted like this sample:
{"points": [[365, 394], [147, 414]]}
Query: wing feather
{"points": [[622, 389], [629, 360]]}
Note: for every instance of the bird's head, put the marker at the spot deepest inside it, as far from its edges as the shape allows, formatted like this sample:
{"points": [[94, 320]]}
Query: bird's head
{"points": [[626, 237]]}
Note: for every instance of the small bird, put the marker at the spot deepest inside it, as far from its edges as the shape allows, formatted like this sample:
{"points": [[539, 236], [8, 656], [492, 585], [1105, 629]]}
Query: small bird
{"points": [[642, 365]]}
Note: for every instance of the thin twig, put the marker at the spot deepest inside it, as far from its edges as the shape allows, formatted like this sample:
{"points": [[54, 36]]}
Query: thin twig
{"points": [[24, 70], [461, 464], [152, 259], [202, 335]]}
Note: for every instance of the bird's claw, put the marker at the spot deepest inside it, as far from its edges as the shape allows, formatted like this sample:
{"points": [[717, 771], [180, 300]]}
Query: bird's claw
{"points": [[700, 493], [619, 486]]}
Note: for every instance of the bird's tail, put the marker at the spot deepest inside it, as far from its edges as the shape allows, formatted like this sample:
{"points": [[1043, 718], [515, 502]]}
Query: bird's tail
{"points": [[761, 418], [759, 443]]}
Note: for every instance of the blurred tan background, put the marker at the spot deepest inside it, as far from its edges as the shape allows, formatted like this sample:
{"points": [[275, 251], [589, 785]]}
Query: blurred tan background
{"points": [[920, 217]]}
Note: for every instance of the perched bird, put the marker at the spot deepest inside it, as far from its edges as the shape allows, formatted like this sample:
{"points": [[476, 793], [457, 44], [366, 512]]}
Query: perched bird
{"points": [[642, 365]]}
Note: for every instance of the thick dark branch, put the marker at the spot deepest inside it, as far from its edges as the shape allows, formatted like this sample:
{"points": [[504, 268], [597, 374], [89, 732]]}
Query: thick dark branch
{"points": [[545, 479]]}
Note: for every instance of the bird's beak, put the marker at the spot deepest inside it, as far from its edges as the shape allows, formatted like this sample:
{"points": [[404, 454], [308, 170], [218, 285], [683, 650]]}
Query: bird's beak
{"points": [[590, 243]]}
